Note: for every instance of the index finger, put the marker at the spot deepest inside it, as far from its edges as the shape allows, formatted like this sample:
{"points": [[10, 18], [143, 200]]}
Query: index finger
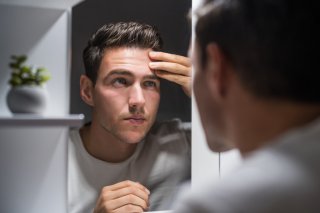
{"points": [[162, 56]]}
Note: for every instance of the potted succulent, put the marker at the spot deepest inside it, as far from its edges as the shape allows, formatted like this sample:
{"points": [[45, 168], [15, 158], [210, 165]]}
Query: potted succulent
{"points": [[27, 93]]}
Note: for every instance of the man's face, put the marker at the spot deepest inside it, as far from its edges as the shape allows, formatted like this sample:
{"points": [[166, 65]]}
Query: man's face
{"points": [[126, 94], [210, 110]]}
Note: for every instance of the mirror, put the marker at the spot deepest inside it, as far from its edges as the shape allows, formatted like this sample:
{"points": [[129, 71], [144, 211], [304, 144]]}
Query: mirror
{"points": [[170, 17]]}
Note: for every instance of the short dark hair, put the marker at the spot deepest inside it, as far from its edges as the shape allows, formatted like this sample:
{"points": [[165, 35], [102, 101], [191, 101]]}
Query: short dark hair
{"points": [[272, 44], [115, 35]]}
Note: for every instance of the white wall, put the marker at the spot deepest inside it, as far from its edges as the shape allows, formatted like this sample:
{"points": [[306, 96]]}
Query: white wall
{"points": [[206, 165], [33, 169], [33, 160], [42, 34]]}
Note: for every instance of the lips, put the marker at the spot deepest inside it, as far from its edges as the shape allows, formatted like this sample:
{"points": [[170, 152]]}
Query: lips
{"points": [[136, 120]]}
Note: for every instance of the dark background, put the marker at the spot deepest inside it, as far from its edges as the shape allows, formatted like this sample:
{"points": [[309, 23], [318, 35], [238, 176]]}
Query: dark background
{"points": [[169, 16]]}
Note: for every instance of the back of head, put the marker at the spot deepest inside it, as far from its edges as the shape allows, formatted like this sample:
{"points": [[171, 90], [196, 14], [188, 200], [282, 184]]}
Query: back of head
{"points": [[117, 35], [272, 44]]}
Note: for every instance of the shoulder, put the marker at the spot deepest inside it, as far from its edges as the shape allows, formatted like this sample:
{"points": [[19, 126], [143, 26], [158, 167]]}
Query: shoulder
{"points": [[74, 136], [265, 182], [170, 127], [75, 145], [171, 133]]}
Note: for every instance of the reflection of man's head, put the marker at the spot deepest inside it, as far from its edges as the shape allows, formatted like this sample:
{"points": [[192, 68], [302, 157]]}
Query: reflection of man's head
{"points": [[262, 45], [118, 35], [122, 89]]}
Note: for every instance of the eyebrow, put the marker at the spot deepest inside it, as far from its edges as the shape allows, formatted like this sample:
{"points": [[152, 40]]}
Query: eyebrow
{"points": [[130, 74], [152, 77]]}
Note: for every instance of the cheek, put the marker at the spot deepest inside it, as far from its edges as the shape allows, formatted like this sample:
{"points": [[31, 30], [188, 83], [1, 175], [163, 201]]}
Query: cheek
{"points": [[152, 101], [208, 109], [200, 92], [110, 101]]}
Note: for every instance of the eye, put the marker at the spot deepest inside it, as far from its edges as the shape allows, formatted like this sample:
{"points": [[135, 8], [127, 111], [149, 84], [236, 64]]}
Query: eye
{"points": [[120, 82], [150, 84]]}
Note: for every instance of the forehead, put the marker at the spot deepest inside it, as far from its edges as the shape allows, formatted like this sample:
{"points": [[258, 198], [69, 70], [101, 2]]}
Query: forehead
{"points": [[135, 60]]}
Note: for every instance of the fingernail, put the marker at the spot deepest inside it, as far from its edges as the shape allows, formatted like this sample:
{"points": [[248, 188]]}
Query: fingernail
{"points": [[152, 53], [147, 190]]}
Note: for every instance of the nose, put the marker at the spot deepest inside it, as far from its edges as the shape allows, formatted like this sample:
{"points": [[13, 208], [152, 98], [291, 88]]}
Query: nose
{"points": [[136, 99]]}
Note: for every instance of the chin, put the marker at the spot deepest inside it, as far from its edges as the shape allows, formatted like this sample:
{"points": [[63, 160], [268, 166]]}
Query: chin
{"points": [[132, 137], [219, 145]]}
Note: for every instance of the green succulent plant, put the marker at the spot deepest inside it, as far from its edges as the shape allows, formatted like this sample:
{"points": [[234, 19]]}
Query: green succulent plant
{"points": [[26, 75]]}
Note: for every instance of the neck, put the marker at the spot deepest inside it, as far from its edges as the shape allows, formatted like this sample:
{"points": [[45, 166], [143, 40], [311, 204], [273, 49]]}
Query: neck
{"points": [[102, 145], [257, 124]]}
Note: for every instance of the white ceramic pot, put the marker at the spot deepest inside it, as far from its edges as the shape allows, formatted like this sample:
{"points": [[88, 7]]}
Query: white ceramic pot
{"points": [[27, 99]]}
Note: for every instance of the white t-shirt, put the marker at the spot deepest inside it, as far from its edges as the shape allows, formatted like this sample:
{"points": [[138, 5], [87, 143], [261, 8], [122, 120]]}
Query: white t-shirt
{"points": [[281, 177], [161, 163]]}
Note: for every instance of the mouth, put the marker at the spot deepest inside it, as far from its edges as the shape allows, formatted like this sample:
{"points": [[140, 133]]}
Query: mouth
{"points": [[136, 120]]}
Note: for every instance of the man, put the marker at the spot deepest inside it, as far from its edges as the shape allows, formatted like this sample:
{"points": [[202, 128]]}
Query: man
{"points": [[257, 90], [123, 161]]}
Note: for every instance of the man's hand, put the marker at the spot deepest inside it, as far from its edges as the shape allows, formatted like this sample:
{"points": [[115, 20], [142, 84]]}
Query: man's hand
{"points": [[172, 67], [123, 197]]}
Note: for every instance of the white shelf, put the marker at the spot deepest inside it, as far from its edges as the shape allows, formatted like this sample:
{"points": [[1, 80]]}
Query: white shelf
{"points": [[54, 4], [72, 120]]}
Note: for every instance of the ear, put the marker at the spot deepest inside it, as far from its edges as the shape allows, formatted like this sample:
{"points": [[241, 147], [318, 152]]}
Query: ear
{"points": [[216, 71], [86, 90]]}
